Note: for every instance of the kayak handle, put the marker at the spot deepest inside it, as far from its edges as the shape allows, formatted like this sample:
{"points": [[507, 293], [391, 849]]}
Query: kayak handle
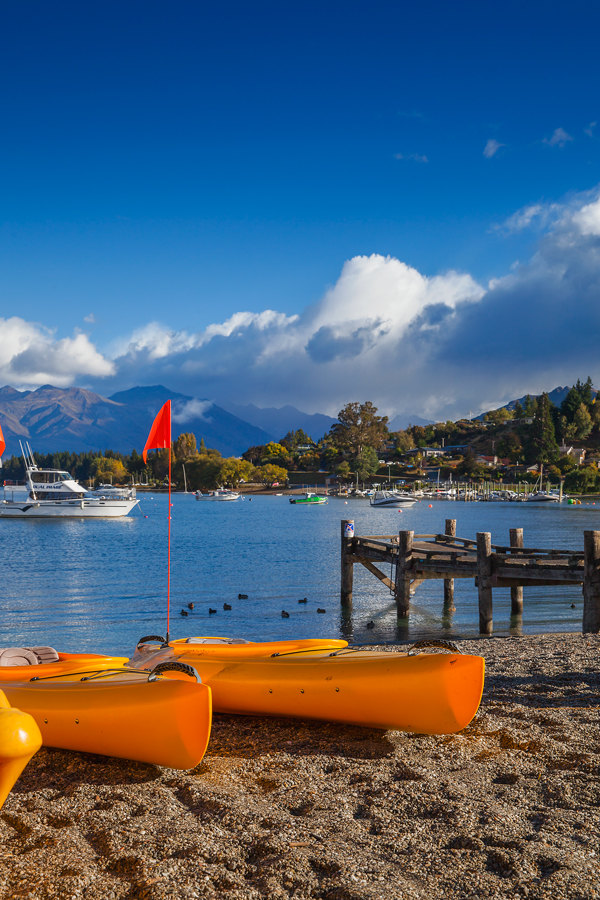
{"points": [[150, 637], [433, 642], [173, 667]]}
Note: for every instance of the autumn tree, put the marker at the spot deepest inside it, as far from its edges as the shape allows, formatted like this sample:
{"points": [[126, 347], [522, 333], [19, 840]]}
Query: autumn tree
{"points": [[185, 447], [234, 471], [359, 426], [270, 474], [106, 469]]}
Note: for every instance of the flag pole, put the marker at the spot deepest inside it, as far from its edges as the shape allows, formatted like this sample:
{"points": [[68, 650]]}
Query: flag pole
{"points": [[169, 538]]}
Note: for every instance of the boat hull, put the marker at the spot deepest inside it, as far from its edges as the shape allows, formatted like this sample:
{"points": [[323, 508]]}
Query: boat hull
{"points": [[165, 721], [62, 509], [428, 693], [20, 739]]}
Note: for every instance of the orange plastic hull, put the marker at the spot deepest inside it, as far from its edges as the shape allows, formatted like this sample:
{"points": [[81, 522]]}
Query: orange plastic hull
{"points": [[429, 693], [165, 721], [20, 739]]}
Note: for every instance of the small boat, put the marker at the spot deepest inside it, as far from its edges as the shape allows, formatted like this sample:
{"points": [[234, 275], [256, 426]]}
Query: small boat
{"points": [[543, 497], [219, 494], [393, 499], [20, 739], [52, 493], [308, 498], [97, 704], [424, 692], [112, 492]]}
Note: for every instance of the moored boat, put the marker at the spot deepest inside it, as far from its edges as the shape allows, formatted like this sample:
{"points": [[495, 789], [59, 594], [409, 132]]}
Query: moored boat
{"points": [[393, 499], [20, 739], [309, 498], [425, 692], [52, 493], [96, 704], [219, 494]]}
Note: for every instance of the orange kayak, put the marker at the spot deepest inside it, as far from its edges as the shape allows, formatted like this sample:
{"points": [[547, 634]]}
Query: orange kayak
{"points": [[96, 704], [425, 692], [20, 739]]}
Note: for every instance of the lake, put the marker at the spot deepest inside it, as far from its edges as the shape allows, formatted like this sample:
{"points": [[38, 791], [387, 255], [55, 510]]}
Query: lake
{"points": [[99, 585]]}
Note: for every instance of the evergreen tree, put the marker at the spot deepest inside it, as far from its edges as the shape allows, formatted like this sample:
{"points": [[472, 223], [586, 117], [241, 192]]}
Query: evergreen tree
{"points": [[542, 444]]}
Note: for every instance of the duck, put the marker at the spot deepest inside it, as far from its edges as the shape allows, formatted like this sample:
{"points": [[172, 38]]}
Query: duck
{"points": [[284, 614], [226, 606], [211, 612], [371, 624], [319, 610], [242, 596], [183, 613], [303, 600], [190, 605]]}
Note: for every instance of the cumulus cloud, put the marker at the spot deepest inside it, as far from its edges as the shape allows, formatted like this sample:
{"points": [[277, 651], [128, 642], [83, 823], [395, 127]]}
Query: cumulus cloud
{"points": [[31, 355], [435, 346], [559, 138], [491, 148]]}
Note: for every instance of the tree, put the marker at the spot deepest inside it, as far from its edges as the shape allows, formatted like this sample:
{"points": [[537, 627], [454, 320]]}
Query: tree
{"points": [[366, 463], [274, 453], [498, 416], [185, 447], [529, 406], [112, 470], [404, 441], [270, 474], [234, 471], [343, 470], [582, 422], [295, 439], [542, 443], [469, 467], [359, 426]]}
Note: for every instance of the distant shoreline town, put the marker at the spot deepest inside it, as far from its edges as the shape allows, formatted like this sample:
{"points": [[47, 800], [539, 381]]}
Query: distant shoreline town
{"points": [[515, 444]]}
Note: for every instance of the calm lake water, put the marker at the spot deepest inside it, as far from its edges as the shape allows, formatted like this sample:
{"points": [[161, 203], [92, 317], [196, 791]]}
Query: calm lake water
{"points": [[99, 585]]}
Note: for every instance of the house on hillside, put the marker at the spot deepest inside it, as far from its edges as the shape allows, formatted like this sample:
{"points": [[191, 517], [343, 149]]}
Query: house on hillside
{"points": [[576, 453]]}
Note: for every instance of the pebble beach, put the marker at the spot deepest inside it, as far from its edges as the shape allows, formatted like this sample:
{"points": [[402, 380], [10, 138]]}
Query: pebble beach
{"points": [[510, 807]]}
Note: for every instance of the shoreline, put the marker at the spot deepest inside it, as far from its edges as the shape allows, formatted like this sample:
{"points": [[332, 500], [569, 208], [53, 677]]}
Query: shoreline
{"points": [[288, 808]]}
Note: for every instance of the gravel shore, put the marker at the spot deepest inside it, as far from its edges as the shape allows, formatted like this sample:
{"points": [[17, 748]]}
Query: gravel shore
{"points": [[281, 808]]}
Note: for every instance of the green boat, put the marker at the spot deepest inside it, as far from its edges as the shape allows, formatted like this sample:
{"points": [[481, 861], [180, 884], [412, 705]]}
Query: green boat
{"points": [[312, 499]]}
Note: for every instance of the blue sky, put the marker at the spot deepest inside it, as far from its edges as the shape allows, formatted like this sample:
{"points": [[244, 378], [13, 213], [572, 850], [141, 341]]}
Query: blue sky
{"points": [[379, 176]]}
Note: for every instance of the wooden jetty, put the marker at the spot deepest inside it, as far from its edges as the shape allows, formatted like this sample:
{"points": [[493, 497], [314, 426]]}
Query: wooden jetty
{"points": [[414, 558]]}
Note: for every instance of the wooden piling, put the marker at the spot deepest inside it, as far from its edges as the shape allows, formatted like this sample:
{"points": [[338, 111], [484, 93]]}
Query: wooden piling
{"points": [[449, 606], [591, 582], [347, 536], [484, 573], [402, 583], [516, 592]]}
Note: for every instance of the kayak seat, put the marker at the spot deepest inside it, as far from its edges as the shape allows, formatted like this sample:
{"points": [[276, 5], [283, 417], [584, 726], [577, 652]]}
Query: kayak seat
{"points": [[27, 656]]}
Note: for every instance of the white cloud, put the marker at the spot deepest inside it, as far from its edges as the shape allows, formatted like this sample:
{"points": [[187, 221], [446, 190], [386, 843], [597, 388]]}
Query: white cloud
{"points": [[90, 319], [558, 138], [587, 219], [491, 148], [412, 157], [192, 409], [590, 129], [435, 346], [31, 355]]}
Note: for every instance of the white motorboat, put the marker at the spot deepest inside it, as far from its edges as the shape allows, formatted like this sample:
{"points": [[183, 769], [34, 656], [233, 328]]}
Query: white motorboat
{"points": [[393, 499], [219, 494], [112, 492], [52, 493], [543, 497]]}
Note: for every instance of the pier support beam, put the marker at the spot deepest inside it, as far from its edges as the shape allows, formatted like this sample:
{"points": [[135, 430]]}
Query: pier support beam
{"points": [[402, 584], [484, 572], [449, 606], [347, 536], [516, 593], [591, 582]]}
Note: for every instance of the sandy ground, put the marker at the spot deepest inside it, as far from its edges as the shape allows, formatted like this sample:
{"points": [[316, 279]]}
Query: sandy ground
{"points": [[278, 808]]}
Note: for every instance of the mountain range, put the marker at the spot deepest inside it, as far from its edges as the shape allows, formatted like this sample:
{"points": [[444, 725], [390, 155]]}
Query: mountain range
{"points": [[54, 419]]}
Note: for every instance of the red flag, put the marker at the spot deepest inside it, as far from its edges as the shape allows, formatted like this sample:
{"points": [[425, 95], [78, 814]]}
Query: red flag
{"points": [[160, 433], [2, 444]]}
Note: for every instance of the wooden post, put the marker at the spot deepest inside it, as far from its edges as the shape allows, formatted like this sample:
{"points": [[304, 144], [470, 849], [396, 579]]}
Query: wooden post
{"points": [[402, 584], [591, 582], [484, 571], [516, 593], [449, 582], [347, 581]]}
